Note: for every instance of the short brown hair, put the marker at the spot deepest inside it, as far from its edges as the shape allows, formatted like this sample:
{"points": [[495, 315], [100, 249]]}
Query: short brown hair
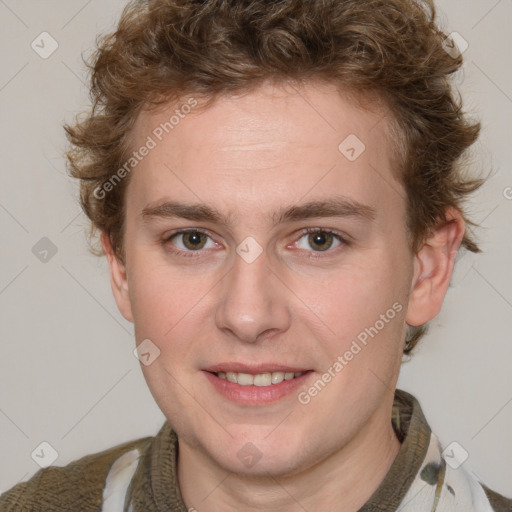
{"points": [[165, 49]]}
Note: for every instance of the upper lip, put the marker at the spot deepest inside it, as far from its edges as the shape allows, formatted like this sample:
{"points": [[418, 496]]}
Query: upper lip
{"points": [[253, 369]]}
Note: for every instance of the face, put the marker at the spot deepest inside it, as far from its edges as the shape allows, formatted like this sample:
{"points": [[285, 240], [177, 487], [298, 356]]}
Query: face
{"points": [[257, 247]]}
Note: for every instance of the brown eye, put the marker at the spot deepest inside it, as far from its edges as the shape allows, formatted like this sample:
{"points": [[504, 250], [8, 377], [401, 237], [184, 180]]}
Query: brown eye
{"points": [[321, 241], [189, 243], [193, 240]]}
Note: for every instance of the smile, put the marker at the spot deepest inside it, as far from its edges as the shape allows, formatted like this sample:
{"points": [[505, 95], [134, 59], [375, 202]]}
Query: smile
{"points": [[258, 388], [260, 379]]}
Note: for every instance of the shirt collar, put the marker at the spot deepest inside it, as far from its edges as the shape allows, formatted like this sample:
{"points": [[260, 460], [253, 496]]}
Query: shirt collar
{"points": [[414, 433], [158, 472]]}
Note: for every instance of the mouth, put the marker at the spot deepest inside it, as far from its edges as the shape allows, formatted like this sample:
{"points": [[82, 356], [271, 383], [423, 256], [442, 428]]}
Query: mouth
{"points": [[259, 379], [256, 385]]}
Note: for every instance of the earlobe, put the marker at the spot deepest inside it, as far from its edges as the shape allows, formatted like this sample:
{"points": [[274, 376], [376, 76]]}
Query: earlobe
{"points": [[118, 279], [433, 269]]}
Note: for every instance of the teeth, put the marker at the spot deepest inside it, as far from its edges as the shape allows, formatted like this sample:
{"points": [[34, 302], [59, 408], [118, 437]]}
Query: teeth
{"points": [[277, 377], [245, 379], [260, 379]]}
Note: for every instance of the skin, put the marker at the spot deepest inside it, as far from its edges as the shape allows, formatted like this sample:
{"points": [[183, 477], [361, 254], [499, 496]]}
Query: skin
{"points": [[247, 156]]}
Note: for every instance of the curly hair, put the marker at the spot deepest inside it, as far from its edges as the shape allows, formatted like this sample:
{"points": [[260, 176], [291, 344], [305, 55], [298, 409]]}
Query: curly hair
{"points": [[163, 50]]}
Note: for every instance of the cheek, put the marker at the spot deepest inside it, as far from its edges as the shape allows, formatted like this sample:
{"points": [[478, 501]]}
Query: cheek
{"points": [[167, 311], [175, 312], [160, 297], [353, 297]]}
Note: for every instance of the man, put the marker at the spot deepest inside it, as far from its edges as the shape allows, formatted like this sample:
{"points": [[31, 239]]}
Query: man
{"points": [[278, 192]]}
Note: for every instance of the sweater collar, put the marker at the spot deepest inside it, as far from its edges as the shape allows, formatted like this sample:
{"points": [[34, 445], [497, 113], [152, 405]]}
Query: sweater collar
{"points": [[159, 470]]}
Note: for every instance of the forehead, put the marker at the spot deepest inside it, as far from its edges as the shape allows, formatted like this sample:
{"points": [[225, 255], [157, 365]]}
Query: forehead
{"points": [[275, 143]]}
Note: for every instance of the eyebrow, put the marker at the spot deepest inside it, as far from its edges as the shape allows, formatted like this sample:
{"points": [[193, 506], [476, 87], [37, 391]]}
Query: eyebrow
{"points": [[333, 207]]}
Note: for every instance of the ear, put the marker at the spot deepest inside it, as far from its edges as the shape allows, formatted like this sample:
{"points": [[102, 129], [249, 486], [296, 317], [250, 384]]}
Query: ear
{"points": [[118, 279], [433, 267]]}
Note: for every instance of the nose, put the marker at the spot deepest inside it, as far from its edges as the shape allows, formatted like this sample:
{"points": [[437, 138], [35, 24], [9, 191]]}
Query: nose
{"points": [[253, 303]]}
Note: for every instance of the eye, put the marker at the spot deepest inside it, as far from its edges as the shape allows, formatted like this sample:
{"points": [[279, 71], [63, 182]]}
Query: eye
{"points": [[187, 241], [320, 240]]}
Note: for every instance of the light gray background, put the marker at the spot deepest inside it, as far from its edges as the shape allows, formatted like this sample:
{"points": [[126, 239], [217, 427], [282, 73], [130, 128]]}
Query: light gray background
{"points": [[67, 372]]}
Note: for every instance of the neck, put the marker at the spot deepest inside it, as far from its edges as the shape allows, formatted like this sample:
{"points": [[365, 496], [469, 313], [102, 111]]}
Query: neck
{"points": [[345, 480]]}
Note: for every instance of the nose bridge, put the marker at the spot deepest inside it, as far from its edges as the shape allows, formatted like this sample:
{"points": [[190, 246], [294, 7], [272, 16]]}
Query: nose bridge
{"points": [[251, 301]]}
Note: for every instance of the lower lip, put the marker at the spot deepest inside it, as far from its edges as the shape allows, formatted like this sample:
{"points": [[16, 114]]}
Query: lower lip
{"points": [[256, 395]]}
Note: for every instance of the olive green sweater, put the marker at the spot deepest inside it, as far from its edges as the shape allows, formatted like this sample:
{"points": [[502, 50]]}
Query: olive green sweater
{"points": [[140, 476]]}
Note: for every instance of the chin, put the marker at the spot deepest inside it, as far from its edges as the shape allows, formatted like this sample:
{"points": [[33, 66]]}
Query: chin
{"points": [[253, 455], [263, 465]]}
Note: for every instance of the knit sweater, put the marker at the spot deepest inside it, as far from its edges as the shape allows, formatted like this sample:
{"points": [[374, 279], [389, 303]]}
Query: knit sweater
{"points": [[140, 476]]}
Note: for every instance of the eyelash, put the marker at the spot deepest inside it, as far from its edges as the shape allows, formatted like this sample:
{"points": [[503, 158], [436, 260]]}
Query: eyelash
{"points": [[186, 254], [195, 254]]}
